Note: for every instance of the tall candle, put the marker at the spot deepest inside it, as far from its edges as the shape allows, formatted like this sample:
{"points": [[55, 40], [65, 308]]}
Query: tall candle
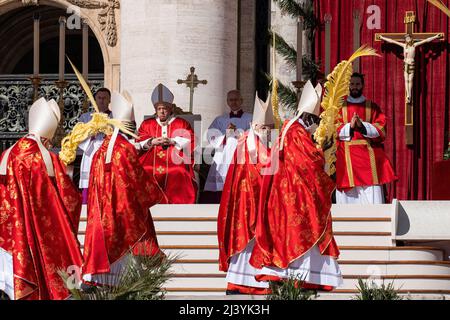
{"points": [[36, 44], [300, 49], [328, 19], [62, 47], [85, 50]]}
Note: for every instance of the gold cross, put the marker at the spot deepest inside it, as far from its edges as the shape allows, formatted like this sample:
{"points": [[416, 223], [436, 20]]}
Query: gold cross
{"points": [[192, 82], [160, 169], [410, 21], [161, 154]]}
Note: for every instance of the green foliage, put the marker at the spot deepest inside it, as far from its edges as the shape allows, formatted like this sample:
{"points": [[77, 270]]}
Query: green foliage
{"points": [[371, 291], [295, 10], [287, 96], [142, 279], [447, 153], [310, 68], [3, 296], [290, 289]]}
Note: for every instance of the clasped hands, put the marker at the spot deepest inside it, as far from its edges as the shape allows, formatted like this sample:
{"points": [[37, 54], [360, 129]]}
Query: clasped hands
{"points": [[356, 122], [232, 130], [161, 141]]}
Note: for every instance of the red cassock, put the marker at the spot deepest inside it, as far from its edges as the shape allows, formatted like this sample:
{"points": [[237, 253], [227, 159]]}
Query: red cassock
{"points": [[295, 202], [362, 161], [173, 169], [39, 218], [120, 195], [240, 200]]}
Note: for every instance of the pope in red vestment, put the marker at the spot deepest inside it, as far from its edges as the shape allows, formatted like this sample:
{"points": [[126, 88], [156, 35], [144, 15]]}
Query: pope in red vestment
{"points": [[39, 212], [294, 233], [119, 199], [168, 150], [239, 203]]}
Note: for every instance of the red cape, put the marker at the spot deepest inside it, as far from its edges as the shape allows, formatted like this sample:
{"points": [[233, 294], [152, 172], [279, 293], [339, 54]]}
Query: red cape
{"points": [[294, 205], [39, 218], [239, 203], [120, 195]]}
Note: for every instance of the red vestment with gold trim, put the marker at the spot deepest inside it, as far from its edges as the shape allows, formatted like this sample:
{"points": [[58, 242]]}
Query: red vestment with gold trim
{"points": [[240, 199], [362, 161], [295, 204], [120, 195], [173, 169], [39, 218]]}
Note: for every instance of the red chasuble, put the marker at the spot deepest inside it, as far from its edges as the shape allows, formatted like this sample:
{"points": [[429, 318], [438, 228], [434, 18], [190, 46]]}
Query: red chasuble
{"points": [[362, 161], [39, 218], [173, 169], [295, 202], [120, 195], [240, 197]]}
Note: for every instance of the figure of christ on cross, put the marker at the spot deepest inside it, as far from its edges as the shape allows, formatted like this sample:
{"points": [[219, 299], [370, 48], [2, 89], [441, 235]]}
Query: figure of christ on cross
{"points": [[409, 52]]}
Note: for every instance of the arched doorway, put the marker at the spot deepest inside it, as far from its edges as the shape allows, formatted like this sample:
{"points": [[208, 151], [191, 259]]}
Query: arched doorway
{"points": [[16, 67]]}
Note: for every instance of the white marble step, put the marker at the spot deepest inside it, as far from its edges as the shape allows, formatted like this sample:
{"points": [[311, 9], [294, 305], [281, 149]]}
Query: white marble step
{"points": [[362, 254], [320, 296], [211, 239], [347, 268], [338, 226], [344, 226], [412, 283]]}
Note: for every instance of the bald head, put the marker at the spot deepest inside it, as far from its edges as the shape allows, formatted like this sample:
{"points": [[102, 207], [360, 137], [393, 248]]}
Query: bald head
{"points": [[234, 100]]}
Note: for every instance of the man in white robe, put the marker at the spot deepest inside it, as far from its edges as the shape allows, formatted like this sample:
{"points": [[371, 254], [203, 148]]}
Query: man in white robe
{"points": [[223, 135], [90, 146]]}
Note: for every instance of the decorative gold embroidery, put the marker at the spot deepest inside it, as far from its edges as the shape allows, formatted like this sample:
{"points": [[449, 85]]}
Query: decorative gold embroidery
{"points": [[289, 198], [5, 209], [62, 180], [161, 154], [348, 160], [373, 164], [20, 258], [160, 169], [244, 186], [345, 113], [24, 144], [368, 111], [296, 180]]}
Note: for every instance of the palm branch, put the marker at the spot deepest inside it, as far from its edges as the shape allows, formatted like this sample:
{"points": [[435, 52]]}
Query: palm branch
{"points": [[286, 95], [336, 88], [306, 11], [142, 278], [441, 6]]}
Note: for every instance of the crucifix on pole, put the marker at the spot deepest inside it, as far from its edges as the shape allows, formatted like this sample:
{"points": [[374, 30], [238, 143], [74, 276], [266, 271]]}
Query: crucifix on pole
{"points": [[191, 82], [409, 41]]}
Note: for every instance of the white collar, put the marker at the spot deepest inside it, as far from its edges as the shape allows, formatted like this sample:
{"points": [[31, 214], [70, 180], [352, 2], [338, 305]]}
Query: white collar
{"points": [[168, 121], [356, 100]]}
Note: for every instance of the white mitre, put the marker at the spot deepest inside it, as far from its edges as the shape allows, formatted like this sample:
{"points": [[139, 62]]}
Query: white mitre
{"points": [[162, 94], [122, 106], [310, 99], [43, 118], [262, 112]]}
